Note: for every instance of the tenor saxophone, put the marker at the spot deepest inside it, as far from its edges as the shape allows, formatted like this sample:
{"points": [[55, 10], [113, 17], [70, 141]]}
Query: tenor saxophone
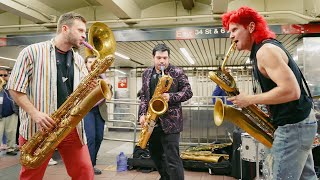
{"points": [[36, 150], [157, 106], [251, 119]]}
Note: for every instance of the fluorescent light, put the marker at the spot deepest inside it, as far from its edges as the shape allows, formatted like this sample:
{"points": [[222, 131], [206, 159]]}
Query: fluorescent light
{"points": [[9, 59], [248, 61], [186, 54], [5, 67], [119, 71], [122, 56], [299, 49]]}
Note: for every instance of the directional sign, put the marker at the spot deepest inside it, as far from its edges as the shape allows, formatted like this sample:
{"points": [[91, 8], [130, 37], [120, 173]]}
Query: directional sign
{"points": [[122, 82]]}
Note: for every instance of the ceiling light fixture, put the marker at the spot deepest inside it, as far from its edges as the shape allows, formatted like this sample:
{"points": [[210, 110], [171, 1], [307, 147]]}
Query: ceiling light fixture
{"points": [[295, 57], [9, 59], [121, 55], [116, 70], [186, 54]]}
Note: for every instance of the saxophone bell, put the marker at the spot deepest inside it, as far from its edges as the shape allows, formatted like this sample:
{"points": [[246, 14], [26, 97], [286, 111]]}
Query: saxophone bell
{"points": [[223, 112], [158, 105]]}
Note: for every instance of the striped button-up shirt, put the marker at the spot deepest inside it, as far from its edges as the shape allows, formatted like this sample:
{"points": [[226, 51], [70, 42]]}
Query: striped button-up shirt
{"points": [[35, 74]]}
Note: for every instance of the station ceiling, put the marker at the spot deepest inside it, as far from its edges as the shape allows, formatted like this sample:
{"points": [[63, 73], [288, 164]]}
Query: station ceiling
{"points": [[39, 16]]}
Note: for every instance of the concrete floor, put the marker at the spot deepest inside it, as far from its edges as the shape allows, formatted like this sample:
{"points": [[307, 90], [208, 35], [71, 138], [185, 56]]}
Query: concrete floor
{"points": [[10, 167]]}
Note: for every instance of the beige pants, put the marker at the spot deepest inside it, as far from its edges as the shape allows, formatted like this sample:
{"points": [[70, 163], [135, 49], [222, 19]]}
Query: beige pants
{"points": [[8, 126]]}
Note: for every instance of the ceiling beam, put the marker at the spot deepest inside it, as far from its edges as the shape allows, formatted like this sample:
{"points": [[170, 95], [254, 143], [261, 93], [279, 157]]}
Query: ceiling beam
{"points": [[219, 6], [187, 4], [27, 11], [123, 9]]}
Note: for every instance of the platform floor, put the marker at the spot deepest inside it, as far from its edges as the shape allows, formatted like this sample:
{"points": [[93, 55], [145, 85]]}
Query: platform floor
{"points": [[10, 167]]}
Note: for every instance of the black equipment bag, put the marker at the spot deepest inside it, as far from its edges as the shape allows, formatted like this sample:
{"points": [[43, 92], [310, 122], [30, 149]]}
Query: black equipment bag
{"points": [[141, 160], [220, 168], [215, 168]]}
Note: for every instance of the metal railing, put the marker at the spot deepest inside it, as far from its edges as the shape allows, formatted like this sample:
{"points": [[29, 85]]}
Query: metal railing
{"points": [[199, 127]]}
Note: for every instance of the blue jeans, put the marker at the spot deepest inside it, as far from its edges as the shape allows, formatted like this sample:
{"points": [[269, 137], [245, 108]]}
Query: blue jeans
{"points": [[94, 128], [291, 152]]}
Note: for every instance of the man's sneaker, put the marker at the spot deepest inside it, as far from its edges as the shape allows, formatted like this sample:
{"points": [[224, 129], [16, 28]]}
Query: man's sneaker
{"points": [[52, 162], [3, 147], [97, 171]]}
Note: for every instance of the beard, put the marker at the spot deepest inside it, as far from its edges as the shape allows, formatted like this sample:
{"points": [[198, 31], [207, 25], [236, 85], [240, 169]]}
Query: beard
{"points": [[73, 41]]}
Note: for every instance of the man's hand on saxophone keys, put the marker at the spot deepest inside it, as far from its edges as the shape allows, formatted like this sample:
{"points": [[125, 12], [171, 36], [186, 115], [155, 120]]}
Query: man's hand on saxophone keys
{"points": [[166, 96], [142, 120], [241, 100], [43, 121], [93, 83]]}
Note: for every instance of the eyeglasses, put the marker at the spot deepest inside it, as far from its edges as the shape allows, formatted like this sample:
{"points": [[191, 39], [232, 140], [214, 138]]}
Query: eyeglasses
{"points": [[4, 75]]}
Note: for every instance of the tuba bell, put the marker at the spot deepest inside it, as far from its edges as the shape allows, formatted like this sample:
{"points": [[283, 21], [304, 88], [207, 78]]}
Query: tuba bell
{"points": [[101, 38], [36, 151], [251, 119]]}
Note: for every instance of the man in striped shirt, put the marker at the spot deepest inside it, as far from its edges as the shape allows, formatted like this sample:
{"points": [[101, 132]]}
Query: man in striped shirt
{"points": [[44, 75]]}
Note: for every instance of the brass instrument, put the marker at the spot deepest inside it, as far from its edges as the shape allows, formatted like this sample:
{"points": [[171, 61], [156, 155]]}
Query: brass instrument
{"points": [[251, 119], [2, 83], [209, 147], [78, 104], [206, 156], [205, 153], [157, 106]]}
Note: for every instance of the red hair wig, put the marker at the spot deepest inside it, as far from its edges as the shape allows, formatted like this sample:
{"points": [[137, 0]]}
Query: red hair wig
{"points": [[244, 16]]}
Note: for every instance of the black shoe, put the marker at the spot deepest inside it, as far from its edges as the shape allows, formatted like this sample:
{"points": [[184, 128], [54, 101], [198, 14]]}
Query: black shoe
{"points": [[97, 171], [12, 153]]}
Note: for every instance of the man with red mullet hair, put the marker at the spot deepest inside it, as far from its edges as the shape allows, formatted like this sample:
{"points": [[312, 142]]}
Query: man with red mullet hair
{"points": [[289, 105]]}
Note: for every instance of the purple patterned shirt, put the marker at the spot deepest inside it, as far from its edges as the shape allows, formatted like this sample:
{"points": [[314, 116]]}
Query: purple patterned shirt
{"points": [[180, 91]]}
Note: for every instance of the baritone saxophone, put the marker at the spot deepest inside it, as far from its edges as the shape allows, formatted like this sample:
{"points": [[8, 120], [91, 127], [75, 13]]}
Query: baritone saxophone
{"points": [[251, 119], [157, 106], [42, 144]]}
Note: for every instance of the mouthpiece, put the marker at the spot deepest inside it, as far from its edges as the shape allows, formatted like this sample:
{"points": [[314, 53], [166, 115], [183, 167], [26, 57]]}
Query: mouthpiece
{"points": [[91, 48], [162, 70], [87, 45]]}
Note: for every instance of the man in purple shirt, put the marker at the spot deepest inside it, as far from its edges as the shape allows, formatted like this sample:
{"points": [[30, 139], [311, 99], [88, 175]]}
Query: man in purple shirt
{"points": [[164, 141]]}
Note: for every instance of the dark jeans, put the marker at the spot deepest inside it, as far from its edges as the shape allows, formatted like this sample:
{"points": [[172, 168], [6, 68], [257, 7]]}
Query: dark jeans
{"points": [[94, 127], [164, 150]]}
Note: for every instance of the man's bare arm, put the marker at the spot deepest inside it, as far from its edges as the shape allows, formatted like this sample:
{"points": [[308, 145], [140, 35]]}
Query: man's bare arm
{"points": [[273, 63], [42, 119]]}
